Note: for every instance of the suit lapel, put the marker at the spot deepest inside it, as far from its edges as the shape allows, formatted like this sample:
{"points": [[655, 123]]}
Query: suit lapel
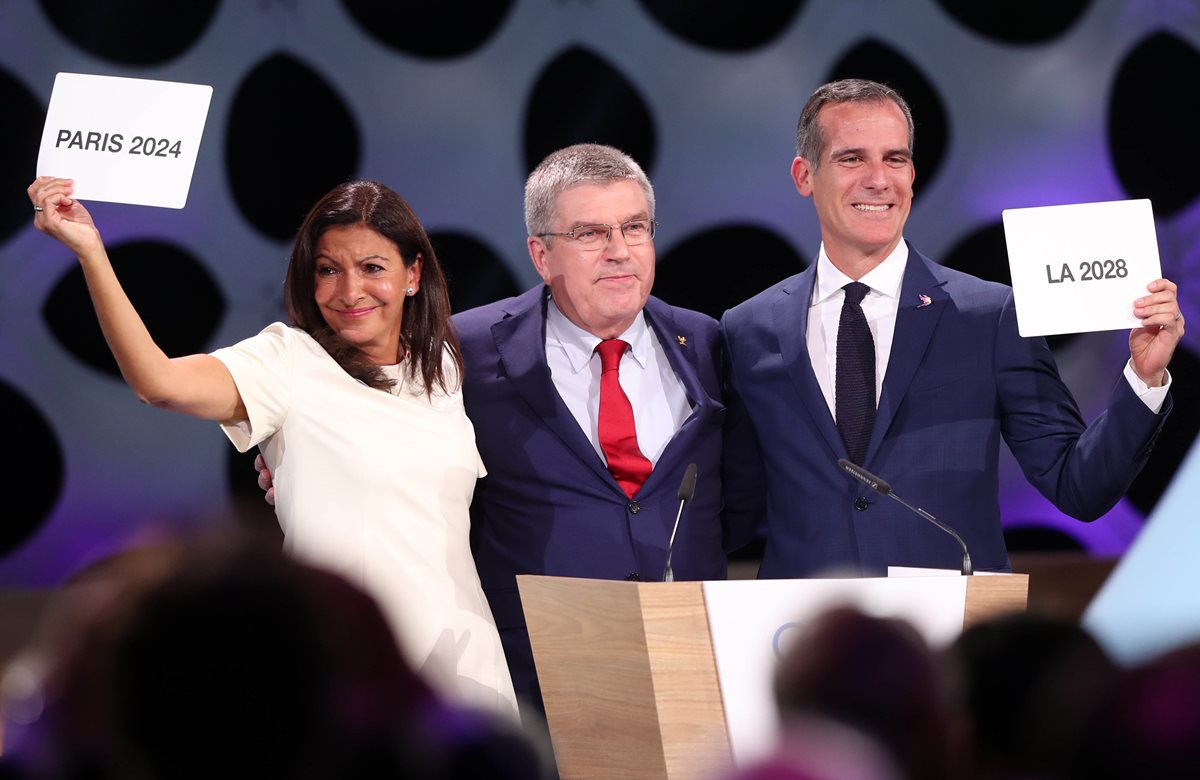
{"points": [[916, 321], [680, 345], [790, 313], [521, 343]]}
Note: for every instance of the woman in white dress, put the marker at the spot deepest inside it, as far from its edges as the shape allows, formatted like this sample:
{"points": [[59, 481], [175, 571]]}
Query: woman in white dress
{"points": [[357, 408]]}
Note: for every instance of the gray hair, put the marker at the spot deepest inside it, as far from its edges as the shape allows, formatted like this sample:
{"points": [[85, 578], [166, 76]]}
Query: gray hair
{"points": [[569, 167], [810, 141]]}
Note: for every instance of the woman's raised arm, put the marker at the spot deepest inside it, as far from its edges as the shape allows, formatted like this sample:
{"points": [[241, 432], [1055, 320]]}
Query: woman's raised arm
{"points": [[198, 385]]}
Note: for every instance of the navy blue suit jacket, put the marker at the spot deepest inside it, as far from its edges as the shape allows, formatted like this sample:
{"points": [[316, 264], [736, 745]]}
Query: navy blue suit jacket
{"points": [[959, 379], [549, 504]]}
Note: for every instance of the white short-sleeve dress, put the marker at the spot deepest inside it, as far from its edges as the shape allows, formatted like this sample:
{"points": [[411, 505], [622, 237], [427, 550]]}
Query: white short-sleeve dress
{"points": [[376, 486]]}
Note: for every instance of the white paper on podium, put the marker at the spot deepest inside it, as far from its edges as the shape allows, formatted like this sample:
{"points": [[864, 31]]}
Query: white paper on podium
{"points": [[750, 620], [124, 140], [921, 571], [1079, 268]]}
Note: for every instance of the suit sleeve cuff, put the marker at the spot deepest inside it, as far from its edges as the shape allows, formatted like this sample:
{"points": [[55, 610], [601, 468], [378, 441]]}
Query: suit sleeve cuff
{"points": [[1152, 397]]}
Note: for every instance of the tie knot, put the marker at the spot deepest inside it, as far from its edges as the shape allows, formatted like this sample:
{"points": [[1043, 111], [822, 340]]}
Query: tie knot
{"points": [[855, 292], [611, 351]]}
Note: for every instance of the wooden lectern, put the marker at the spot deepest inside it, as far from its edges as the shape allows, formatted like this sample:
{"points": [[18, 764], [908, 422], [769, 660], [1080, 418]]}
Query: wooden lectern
{"points": [[629, 676]]}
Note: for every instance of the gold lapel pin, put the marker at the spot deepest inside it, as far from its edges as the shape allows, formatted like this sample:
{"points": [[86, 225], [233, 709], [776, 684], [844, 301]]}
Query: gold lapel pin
{"points": [[682, 340]]}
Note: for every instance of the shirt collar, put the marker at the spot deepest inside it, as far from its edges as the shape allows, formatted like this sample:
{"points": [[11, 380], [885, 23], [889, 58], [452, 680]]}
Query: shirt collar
{"points": [[885, 278], [578, 344]]}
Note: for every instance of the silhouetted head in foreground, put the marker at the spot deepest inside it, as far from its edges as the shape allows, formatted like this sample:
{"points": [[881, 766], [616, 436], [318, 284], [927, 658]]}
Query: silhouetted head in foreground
{"points": [[230, 659]]}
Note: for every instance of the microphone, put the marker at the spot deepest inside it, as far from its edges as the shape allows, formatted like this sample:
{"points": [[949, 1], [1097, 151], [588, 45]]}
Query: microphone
{"points": [[884, 489], [687, 489]]}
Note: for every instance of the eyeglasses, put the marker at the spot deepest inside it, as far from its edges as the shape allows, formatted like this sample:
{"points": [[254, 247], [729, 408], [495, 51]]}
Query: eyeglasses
{"points": [[635, 231]]}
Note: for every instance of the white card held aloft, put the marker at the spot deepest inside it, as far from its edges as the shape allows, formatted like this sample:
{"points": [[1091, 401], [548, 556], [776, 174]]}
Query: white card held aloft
{"points": [[1079, 268], [124, 140]]}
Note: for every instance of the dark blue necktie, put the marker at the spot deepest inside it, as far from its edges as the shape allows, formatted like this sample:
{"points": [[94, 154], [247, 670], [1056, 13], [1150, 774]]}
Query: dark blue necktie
{"points": [[854, 393]]}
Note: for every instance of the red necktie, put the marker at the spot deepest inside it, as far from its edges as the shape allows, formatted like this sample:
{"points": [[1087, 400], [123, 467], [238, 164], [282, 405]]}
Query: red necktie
{"points": [[618, 437]]}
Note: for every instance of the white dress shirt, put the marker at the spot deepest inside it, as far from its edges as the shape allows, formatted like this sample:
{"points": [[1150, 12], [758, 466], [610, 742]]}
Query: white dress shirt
{"points": [[660, 403], [879, 307]]}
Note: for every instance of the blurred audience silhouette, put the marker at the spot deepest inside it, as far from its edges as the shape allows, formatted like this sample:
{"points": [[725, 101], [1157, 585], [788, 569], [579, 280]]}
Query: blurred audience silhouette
{"points": [[1027, 684], [1018, 697], [227, 658], [1147, 724], [205, 658]]}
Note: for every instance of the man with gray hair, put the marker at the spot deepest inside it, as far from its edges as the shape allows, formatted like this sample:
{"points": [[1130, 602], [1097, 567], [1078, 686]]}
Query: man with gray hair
{"points": [[590, 398], [877, 355]]}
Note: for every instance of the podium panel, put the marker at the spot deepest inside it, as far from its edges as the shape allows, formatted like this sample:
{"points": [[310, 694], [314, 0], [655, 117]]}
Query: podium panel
{"points": [[628, 677], [629, 670]]}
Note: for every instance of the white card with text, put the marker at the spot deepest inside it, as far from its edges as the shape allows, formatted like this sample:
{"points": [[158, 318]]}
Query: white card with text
{"points": [[124, 140], [1079, 268]]}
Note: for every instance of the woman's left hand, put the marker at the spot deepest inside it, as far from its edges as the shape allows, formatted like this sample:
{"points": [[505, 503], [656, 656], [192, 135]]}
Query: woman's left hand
{"points": [[61, 216]]}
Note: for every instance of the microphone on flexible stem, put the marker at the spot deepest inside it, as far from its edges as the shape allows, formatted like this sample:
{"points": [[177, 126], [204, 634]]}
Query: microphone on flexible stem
{"points": [[884, 489], [687, 489]]}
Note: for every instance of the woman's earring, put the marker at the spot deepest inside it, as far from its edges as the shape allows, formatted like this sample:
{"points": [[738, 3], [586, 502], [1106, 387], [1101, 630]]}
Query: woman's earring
{"points": [[410, 292]]}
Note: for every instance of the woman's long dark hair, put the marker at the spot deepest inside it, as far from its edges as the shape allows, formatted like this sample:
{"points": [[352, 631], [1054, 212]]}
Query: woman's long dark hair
{"points": [[426, 332]]}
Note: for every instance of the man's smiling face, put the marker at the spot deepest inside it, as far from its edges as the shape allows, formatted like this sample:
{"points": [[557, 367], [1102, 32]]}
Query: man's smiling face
{"points": [[861, 185]]}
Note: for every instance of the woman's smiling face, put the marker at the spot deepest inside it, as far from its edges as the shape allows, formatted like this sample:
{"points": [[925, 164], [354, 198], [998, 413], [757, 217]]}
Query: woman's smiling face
{"points": [[360, 287]]}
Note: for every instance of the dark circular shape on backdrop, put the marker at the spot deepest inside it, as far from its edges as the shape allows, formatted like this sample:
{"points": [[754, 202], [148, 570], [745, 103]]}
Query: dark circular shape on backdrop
{"points": [[1148, 119], [290, 139], [432, 30], [476, 275], [580, 98], [710, 24], [1175, 440], [1017, 21], [36, 475], [879, 62], [984, 253], [1037, 538], [20, 135], [131, 32], [697, 273], [172, 291]]}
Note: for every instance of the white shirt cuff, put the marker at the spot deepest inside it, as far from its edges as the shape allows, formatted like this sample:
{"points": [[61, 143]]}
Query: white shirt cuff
{"points": [[1152, 397]]}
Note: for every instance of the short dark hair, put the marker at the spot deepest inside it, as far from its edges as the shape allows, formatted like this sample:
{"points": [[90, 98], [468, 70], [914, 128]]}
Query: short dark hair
{"points": [[426, 333], [810, 140]]}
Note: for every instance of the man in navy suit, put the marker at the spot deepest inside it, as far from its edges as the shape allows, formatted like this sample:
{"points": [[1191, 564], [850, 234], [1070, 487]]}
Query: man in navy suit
{"points": [[942, 376], [550, 504]]}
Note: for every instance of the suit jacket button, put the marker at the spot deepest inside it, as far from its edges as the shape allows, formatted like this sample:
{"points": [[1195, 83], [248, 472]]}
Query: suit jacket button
{"points": [[633, 507], [633, 577], [861, 503]]}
